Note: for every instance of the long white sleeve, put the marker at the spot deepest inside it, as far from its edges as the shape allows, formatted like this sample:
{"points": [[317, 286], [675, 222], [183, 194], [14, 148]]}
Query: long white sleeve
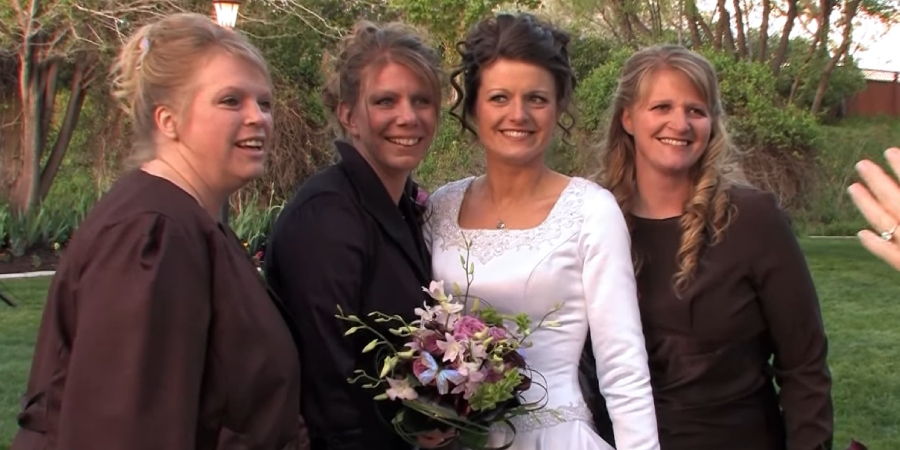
{"points": [[615, 323]]}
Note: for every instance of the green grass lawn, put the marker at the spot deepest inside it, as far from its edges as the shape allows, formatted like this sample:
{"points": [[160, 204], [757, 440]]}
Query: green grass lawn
{"points": [[860, 297]]}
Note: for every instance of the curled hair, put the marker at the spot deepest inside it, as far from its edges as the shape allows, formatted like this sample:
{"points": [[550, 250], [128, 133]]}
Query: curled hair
{"points": [[369, 48], [155, 65], [521, 37], [708, 211]]}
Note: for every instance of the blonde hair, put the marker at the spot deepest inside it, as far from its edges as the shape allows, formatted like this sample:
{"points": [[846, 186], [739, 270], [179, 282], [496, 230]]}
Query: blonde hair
{"points": [[709, 210], [153, 68], [370, 47]]}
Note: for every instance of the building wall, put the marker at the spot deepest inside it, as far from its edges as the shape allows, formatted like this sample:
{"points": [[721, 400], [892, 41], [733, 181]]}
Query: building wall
{"points": [[881, 96]]}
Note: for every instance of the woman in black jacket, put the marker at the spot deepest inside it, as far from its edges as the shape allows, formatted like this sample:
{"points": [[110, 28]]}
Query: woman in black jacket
{"points": [[351, 236]]}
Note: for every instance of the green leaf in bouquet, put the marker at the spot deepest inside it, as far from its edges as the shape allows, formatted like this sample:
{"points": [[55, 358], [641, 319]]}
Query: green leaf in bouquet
{"points": [[370, 346], [489, 395], [491, 317], [389, 363], [432, 409], [523, 322]]}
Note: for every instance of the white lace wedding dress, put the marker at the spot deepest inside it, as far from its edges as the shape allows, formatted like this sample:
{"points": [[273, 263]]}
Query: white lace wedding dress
{"points": [[579, 255]]}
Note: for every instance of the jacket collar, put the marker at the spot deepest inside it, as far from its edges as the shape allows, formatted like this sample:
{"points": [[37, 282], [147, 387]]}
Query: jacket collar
{"points": [[376, 200]]}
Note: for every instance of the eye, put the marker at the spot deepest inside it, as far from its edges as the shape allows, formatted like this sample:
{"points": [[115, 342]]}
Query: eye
{"points": [[497, 98], [230, 101], [422, 101], [698, 112], [265, 105], [537, 99], [386, 101]]}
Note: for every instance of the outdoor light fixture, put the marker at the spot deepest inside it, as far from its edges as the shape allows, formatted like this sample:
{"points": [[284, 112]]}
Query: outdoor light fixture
{"points": [[227, 12]]}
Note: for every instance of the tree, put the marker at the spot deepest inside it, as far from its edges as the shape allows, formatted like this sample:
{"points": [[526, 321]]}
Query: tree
{"points": [[61, 44]]}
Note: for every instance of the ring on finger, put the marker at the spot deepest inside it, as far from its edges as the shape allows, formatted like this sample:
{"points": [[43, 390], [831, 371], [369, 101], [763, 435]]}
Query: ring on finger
{"points": [[889, 234]]}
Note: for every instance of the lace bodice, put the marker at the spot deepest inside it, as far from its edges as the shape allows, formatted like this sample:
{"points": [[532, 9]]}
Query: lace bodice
{"points": [[578, 256], [564, 217]]}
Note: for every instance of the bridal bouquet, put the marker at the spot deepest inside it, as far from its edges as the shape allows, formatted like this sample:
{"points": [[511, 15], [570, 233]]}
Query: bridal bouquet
{"points": [[460, 369]]}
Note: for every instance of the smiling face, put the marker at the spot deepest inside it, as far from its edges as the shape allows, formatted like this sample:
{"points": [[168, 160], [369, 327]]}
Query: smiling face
{"points": [[393, 122], [516, 111], [670, 124], [225, 125]]}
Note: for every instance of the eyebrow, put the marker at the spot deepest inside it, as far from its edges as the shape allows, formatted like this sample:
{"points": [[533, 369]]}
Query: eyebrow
{"points": [[232, 88], [668, 100], [527, 91], [391, 93]]}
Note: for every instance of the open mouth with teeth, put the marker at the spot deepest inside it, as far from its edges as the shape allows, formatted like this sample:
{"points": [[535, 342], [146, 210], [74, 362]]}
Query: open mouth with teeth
{"points": [[516, 134], [675, 142], [405, 142], [250, 144]]}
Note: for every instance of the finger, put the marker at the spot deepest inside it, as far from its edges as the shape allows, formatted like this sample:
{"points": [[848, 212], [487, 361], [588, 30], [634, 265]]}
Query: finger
{"points": [[881, 186], [877, 217], [888, 251], [892, 155]]}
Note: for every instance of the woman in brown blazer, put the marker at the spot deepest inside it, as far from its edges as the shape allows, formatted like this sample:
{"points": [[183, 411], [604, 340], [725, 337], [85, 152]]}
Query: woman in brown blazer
{"points": [[158, 331]]}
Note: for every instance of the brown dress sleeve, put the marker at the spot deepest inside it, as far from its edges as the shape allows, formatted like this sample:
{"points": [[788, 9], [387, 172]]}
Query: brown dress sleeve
{"points": [[143, 309], [791, 309]]}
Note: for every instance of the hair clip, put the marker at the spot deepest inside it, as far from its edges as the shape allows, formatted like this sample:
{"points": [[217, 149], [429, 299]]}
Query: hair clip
{"points": [[144, 45]]}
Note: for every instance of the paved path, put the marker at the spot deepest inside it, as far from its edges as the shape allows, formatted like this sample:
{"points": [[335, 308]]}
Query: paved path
{"points": [[13, 276]]}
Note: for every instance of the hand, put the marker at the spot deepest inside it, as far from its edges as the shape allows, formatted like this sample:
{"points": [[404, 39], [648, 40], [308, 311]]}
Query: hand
{"points": [[879, 202], [434, 438]]}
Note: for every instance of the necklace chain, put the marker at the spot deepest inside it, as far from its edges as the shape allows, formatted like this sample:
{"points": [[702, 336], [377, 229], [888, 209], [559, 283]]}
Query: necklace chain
{"points": [[501, 224], [195, 193]]}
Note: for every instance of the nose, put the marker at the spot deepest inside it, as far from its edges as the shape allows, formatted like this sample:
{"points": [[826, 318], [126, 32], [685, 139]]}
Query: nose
{"points": [[678, 121], [255, 114], [406, 113], [517, 111]]}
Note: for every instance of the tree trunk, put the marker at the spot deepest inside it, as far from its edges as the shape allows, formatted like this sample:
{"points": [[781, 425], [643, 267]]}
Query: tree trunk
{"points": [[762, 53], [81, 80], [850, 10], [741, 36], [24, 189], [10, 139], [781, 53], [693, 20], [795, 86]]}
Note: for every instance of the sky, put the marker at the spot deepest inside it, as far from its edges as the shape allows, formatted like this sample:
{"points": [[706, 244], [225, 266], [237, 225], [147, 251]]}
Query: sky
{"points": [[876, 46], [880, 46]]}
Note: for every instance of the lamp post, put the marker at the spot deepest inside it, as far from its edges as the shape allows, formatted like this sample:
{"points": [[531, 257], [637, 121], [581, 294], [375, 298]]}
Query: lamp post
{"points": [[226, 12], [226, 16]]}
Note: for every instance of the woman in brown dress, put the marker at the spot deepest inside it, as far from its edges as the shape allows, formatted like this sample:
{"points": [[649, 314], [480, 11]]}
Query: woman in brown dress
{"points": [[158, 332], [722, 282]]}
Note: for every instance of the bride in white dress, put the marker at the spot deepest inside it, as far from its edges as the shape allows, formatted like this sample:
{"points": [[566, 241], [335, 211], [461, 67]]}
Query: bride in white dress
{"points": [[538, 238]]}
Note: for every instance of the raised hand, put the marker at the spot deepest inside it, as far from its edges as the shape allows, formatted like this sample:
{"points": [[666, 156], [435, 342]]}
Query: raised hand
{"points": [[879, 201]]}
